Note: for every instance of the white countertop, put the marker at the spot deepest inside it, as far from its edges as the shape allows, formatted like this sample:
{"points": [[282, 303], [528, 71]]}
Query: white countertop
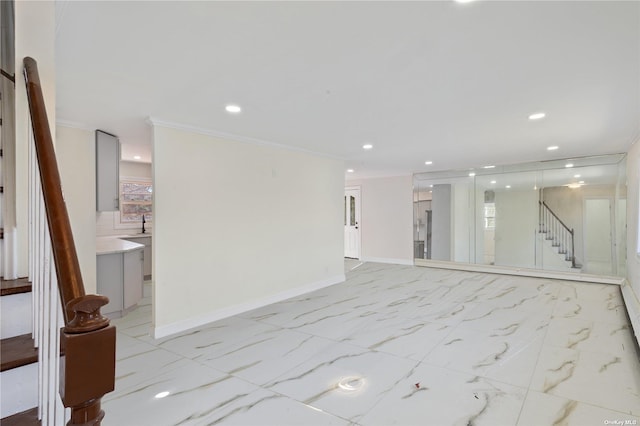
{"points": [[115, 244]]}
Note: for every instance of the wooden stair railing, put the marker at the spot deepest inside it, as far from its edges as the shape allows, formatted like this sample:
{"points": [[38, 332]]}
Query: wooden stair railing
{"points": [[87, 370], [557, 232]]}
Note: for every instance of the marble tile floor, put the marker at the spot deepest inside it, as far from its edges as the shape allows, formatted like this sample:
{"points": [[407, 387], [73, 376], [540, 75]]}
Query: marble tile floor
{"points": [[393, 345]]}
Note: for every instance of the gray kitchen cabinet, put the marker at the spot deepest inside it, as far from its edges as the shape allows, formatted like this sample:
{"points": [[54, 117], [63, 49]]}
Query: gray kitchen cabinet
{"points": [[107, 172], [109, 272], [146, 240], [119, 277]]}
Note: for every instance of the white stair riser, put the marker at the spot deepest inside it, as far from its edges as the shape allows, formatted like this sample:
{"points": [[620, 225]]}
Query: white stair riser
{"points": [[552, 259], [18, 389], [16, 315]]}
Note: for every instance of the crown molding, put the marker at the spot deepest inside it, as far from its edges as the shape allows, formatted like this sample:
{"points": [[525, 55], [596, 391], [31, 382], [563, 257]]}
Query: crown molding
{"points": [[74, 125], [153, 121]]}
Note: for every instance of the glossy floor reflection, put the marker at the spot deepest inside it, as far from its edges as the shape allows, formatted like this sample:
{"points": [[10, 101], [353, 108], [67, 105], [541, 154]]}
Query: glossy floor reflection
{"points": [[393, 345]]}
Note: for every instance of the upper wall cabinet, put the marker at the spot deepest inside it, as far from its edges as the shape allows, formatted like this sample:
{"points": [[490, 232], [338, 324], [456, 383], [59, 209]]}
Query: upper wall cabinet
{"points": [[107, 172]]}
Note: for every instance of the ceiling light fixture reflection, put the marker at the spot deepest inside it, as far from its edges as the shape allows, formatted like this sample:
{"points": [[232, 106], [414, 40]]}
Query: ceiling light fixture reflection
{"points": [[367, 146], [233, 109], [350, 170], [162, 394], [489, 167], [136, 157], [351, 384], [472, 174], [493, 181], [508, 186], [576, 176], [537, 116], [552, 148], [574, 185], [428, 163], [581, 182], [568, 165]]}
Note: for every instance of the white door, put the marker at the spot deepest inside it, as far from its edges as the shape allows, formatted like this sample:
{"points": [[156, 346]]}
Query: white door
{"points": [[352, 223], [597, 236]]}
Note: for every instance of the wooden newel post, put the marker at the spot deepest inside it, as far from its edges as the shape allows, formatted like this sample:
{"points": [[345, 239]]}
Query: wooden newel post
{"points": [[87, 369], [88, 366]]}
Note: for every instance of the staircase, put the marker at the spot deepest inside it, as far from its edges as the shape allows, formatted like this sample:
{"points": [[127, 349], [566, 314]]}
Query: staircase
{"points": [[18, 354], [49, 312], [558, 236]]}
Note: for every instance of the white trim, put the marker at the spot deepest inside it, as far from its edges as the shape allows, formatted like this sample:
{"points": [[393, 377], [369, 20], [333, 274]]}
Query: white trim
{"points": [[75, 125], [187, 324], [633, 308], [388, 260], [233, 137], [525, 272]]}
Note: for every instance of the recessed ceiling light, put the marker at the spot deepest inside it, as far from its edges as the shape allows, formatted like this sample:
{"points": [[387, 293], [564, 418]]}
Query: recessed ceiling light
{"points": [[428, 163], [537, 116], [136, 157], [464, 1], [552, 148], [233, 109], [508, 186], [367, 146], [430, 186], [574, 185], [493, 181], [349, 170], [489, 167], [162, 394], [576, 176], [472, 174], [581, 181], [568, 165]]}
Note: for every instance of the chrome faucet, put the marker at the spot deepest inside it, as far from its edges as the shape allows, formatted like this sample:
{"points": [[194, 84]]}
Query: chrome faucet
{"points": [[143, 222]]}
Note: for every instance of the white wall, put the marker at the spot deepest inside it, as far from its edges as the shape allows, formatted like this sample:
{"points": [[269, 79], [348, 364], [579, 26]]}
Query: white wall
{"points": [[35, 37], [463, 209], [386, 219], [132, 169], [441, 222], [239, 225], [515, 233], [632, 298], [75, 151]]}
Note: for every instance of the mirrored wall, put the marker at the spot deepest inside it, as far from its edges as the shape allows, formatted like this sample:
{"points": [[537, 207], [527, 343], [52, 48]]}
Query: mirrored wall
{"points": [[562, 215]]}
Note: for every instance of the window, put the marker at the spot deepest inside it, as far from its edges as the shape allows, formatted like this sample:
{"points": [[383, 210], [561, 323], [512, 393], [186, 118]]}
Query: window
{"points": [[489, 216], [135, 200]]}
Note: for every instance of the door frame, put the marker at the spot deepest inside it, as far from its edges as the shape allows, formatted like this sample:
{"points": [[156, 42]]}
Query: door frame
{"points": [[357, 188], [612, 255]]}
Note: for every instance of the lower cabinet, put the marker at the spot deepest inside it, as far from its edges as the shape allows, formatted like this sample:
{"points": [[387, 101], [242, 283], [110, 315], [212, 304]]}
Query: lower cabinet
{"points": [[146, 240], [119, 277]]}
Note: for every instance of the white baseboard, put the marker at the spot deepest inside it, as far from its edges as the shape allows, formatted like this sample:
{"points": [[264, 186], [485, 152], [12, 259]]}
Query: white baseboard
{"points": [[633, 308], [187, 324], [388, 260], [526, 272]]}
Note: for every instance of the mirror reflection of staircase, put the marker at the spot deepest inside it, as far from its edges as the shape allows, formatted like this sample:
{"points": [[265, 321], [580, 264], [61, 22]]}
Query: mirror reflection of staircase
{"points": [[558, 237]]}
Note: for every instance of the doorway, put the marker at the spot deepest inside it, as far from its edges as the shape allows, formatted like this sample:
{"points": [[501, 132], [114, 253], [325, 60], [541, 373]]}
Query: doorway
{"points": [[352, 222], [598, 252]]}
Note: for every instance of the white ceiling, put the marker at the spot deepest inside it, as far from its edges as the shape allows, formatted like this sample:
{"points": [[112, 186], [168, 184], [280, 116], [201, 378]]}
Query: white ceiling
{"points": [[441, 81]]}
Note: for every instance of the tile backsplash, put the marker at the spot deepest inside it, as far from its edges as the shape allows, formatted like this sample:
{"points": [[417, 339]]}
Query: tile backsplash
{"points": [[108, 223]]}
